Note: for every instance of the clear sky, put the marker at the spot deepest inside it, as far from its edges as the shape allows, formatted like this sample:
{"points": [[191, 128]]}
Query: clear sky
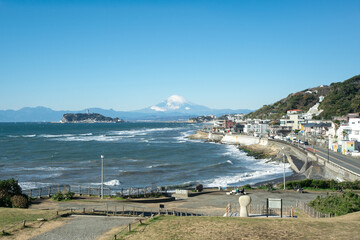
{"points": [[127, 55]]}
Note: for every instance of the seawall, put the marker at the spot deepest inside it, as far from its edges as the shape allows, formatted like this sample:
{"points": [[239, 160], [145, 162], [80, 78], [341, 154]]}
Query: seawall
{"points": [[301, 161]]}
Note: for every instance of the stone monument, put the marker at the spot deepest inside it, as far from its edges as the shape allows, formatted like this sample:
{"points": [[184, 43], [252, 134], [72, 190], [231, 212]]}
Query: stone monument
{"points": [[244, 202]]}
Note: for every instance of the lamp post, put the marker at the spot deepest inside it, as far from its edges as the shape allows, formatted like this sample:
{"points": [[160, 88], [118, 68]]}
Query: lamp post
{"points": [[284, 165], [102, 176], [328, 147], [284, 168]]}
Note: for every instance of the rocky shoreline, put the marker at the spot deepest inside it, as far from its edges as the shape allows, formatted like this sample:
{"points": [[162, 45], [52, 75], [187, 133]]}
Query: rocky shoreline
{"points": [[271, 151]]}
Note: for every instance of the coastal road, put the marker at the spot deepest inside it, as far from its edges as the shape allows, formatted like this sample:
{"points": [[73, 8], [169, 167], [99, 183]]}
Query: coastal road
{"points": [[85, 228], [351, 163]]}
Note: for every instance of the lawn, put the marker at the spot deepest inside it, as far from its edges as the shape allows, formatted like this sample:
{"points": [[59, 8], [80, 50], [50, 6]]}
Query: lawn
{"points": [[170, 227], [12, 219]]}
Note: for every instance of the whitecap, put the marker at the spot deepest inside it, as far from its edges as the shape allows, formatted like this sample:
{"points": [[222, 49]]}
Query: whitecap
{"points": [[32, 185], [29, 136], [113, 182]]}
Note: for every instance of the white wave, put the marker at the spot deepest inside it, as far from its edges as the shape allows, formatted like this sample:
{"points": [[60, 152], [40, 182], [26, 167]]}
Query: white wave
{"points": [[228, 161], [150, 166], [86, 134], [142, 132], [45, 169], [114, 182], [32, 185], [246, 177], [55, 136], [100, 138], [29, 136]]}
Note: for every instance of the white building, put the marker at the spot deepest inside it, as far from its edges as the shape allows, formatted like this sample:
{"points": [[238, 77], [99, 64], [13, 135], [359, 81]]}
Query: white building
{"points": [[352, 131], [293, 119]]}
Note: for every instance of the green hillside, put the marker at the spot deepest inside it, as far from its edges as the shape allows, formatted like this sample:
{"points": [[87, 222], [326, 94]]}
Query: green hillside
{"points": [[340, 98], [343, 98]]}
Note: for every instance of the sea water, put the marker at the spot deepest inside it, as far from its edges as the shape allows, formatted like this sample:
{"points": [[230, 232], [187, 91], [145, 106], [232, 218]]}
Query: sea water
{"points": [[138, 154]]}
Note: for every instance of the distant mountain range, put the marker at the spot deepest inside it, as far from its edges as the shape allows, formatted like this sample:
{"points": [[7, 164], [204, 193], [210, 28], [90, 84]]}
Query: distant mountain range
{"points": [[172, 109]]}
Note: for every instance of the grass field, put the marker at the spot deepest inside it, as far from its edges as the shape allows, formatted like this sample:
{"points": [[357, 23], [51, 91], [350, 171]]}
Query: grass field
{"points": [[11, 219], [169, 227]]}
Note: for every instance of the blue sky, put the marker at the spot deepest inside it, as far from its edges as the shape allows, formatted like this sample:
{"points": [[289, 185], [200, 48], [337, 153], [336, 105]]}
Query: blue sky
{"points": [[127, 55]]}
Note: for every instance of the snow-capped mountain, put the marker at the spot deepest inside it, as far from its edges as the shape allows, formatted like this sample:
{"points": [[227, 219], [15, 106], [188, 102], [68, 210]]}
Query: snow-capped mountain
{"points": [[177, 104]]}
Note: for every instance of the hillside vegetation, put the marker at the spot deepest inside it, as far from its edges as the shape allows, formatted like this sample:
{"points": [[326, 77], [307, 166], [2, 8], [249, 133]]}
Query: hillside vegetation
{"points": [[343, 98], [340, 98]]}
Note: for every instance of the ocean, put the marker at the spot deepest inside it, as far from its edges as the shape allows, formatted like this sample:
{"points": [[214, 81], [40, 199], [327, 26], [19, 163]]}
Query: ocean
{"points": [[138, 154]]}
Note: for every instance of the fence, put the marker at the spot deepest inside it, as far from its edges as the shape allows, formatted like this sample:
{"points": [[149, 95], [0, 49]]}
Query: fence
{"points": [[133, 211], [93, 191], [310, 211], [255, 209]]}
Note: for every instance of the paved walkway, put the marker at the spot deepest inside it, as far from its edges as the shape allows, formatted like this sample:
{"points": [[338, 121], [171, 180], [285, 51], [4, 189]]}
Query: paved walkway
{"points": [[84, 228]]}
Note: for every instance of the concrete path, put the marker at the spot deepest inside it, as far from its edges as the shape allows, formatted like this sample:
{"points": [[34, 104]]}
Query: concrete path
{"points": [[84, 228]]}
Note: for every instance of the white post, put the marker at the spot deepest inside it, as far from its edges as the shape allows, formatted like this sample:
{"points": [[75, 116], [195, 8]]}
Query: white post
{"points": [[102, 176]]}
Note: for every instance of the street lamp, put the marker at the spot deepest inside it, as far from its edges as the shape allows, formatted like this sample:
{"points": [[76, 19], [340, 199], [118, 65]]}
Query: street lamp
{"points": [[102, 176], [284, 165]]}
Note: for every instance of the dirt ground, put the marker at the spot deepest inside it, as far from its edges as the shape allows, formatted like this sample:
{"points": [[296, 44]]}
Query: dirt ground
{"points": [[212, 203], [345, 227]]}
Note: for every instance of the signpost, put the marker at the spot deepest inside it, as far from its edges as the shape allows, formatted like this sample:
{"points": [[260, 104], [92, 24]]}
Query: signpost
{"points": [[274, 203]]}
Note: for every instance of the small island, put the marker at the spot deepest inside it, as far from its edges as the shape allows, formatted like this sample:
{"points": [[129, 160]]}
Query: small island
{"points": [[88, 118]]}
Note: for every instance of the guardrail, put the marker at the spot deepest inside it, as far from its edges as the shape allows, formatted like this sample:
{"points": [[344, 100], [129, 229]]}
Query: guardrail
{"points": [[92, 191]]}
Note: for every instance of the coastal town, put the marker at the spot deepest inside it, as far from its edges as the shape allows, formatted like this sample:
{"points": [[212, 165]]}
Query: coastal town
{"points": [[159, 120], [342, 134]]}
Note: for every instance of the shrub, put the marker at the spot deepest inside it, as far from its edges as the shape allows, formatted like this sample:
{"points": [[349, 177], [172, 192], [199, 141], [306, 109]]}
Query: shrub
{"points": [[269, 186], [19, 201], [11, 186], [58, 196], [69, 195], [8, 189], [337, 204], [5, 199], [247, 186]]}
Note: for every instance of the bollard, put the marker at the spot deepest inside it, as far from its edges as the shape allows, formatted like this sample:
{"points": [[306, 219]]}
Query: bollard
{"points": [[79, 190], [24, 223], [115, 211], [49, 191], [143, 213], [57, 213], [84, 210], [129, 227]]}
